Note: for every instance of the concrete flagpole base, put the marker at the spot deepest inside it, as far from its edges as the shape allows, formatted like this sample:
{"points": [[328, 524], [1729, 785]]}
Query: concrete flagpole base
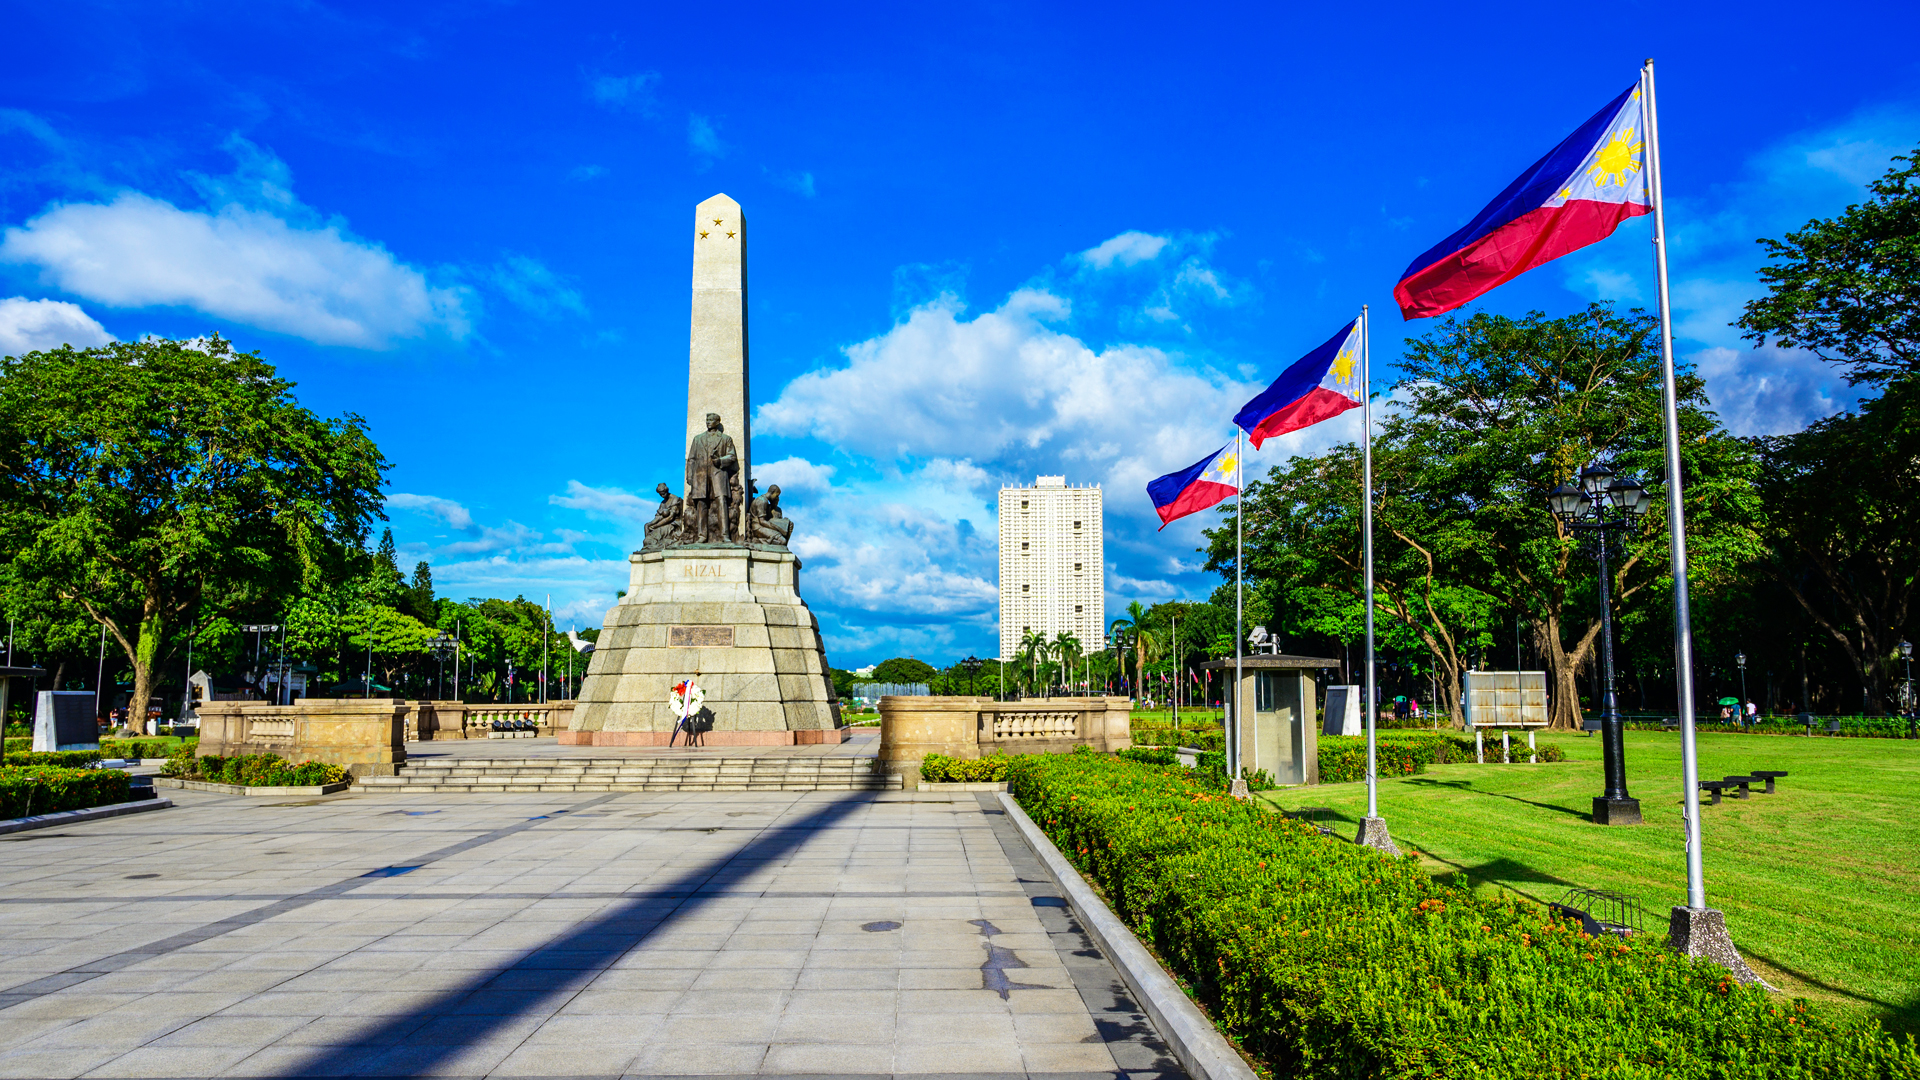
{"points": [[1615, 811], [1373, 834], [1239, 788], [1702, 933]]}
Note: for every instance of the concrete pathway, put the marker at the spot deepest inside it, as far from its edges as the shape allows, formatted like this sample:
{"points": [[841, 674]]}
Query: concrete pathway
{"points": [[861, 742], [742, 934]]}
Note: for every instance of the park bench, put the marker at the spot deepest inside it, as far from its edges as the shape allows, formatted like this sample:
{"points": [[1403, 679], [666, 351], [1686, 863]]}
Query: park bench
{"points": [[1713, 787], [1769, 777], [1740, 782]]}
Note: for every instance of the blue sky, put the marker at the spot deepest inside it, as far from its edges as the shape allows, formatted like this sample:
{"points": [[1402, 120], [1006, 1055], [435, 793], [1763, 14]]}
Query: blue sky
{"points": [[987, 241]]}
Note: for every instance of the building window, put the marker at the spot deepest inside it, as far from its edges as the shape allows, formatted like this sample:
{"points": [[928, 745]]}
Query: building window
{"points": [[1076, 524], [1076, 566], [1076, 609], [1023, 504], [1266, 691], [1023, 545], [1023, 588]]}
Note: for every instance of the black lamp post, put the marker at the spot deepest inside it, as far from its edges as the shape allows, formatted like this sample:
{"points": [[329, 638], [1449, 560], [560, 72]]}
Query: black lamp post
{"points": [[1740, 661], [1906, 654], [972, 664], [1599, 507]]}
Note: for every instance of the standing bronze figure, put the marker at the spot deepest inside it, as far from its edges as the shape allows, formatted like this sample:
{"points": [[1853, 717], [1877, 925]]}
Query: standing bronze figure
{"points": [[711, 463]]}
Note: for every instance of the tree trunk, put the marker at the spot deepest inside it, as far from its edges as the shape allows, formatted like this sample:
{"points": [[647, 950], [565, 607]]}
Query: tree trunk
{"points": [[1562, 670], [145, 650]]}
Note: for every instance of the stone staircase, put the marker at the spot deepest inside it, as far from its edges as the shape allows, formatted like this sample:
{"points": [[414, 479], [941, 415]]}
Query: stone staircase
{"points": [[564, 774]]}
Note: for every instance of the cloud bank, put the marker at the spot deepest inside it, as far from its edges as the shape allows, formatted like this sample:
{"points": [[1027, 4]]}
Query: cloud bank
{"points": [[33, 325]]}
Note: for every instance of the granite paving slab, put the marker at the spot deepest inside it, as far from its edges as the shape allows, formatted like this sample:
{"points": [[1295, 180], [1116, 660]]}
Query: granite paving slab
{"points": [[654, 934]]}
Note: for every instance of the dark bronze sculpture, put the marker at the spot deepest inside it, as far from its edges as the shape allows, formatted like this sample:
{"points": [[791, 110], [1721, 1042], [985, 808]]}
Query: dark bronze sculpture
{"points": [[765, 523], [711, 463], [664, 530]]}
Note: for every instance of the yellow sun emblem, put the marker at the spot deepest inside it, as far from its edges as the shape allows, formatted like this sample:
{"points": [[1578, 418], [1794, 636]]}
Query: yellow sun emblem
{"points": [[1225, 464], [1616, 161], [1343, 372]]}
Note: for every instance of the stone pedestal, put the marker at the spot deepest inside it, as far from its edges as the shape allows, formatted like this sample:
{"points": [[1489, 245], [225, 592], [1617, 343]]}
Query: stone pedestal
{"points": [[1702, 933], [1373, 834], [969, 728], [365, 735], [1615, 811], [731, 617]]}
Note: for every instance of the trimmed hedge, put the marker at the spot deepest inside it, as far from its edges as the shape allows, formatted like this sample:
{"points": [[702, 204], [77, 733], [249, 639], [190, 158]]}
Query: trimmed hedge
{"points": [[44, 789], [64, 759], [1343, 758], [145, 748], [1331, 960], [1200, 739], [941, 769], [252, 770], [1851, 727]]}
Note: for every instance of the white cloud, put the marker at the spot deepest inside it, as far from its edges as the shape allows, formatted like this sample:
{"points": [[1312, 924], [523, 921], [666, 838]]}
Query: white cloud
{"points": [[529, 284], [796, 476], [31, 325], [1010, 394], [625, 91], [252, 266], [606, 504], [1128, 249], [800, 183], [703, 139], [1771, 391], [454, 515]]}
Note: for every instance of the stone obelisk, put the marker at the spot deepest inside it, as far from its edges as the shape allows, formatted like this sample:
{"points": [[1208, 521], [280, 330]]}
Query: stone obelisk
{"points": [[725, 613]]}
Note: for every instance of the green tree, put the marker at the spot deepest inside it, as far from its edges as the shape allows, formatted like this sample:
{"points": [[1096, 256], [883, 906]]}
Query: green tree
{"points": [[903, 669], [1066, 648], [1033, 651], [145, 481], [1848, 288]]}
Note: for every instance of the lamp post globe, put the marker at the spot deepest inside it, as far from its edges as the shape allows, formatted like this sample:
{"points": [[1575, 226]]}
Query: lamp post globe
{"points": [[1597, 507], [1740, 661]]}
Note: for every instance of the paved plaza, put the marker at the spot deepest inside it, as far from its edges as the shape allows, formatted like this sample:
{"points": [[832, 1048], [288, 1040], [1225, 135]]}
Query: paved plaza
{"points": [[740, 933]]}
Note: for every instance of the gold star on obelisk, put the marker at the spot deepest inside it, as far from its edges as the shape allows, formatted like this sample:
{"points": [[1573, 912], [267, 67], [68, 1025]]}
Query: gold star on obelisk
{"points": [[703, 234], [729, 234], [716, 221]]}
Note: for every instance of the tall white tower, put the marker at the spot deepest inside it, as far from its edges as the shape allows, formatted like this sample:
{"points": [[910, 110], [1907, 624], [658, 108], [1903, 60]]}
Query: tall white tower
{"points": [[1052, 570]]}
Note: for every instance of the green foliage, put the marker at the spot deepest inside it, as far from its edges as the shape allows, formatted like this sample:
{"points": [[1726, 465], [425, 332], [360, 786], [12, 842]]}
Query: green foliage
{"points": [[1848, 288], [940, 769], [1200, 738], [64, 759], [19, 745], [45, 789], [144, 481], [903, 669], [1330, 960], [1148, 755], [253, 770]]}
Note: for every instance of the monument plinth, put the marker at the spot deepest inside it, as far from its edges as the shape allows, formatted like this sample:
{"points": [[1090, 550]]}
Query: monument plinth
{"points": [[714, 595]]}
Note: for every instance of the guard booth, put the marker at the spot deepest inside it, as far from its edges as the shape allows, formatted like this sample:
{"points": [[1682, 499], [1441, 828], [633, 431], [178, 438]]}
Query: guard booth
{"points": [[1281, 734]]}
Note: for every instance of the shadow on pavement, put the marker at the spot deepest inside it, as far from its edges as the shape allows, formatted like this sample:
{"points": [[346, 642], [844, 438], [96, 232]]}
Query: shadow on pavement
{"points": [[493, 1001]]}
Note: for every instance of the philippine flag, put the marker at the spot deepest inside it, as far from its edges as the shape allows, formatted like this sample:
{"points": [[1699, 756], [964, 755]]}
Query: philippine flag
{"points": [[1575, 196], [1195, 487], [1322, 384]]}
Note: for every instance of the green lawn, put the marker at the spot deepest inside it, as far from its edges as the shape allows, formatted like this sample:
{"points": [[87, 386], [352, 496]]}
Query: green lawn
{"points": [[1820, 882]]}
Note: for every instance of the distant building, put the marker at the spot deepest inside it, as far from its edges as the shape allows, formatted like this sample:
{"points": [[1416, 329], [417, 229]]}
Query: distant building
{"points": [[1052, 576]]}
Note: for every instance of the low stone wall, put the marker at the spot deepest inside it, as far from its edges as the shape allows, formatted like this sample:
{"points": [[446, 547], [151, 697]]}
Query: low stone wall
{"points": [[972, 727], [431, 720], [366, 736]]}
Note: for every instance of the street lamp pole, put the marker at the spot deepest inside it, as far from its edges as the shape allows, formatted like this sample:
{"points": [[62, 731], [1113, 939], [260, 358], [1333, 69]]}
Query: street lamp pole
{"points": [[1740, 661], [1599, 507], [1906, 654]]}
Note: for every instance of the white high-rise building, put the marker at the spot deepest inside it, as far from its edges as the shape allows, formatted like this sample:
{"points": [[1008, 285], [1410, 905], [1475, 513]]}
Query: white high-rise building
{"points": [[1052, 573]]}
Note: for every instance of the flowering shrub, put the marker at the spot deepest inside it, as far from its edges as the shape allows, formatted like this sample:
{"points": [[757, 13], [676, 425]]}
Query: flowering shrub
{"points": [[1331, 960], [252, 770], [43, 789], [63, 759]]}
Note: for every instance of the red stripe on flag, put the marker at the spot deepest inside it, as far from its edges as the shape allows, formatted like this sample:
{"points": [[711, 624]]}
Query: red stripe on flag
{"points": [[1318, 404], [1528, 241]]}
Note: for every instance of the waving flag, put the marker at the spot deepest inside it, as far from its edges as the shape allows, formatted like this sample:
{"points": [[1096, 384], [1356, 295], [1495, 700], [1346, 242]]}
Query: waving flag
{"points": [[1575, 196], [1319, 385], [1195, 487]]}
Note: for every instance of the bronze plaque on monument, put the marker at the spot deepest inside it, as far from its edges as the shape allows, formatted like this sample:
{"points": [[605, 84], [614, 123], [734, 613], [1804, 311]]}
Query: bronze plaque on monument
{"points": [[699, 637]]}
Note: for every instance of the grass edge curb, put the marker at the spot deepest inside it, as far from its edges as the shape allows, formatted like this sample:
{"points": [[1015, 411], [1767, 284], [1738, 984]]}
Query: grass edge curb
{"points": [[243, 789], [1202, 1050], [74, 817]]}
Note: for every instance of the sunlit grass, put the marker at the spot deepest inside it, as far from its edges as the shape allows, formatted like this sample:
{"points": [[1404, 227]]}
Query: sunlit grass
{"points": [[1820, 882]]}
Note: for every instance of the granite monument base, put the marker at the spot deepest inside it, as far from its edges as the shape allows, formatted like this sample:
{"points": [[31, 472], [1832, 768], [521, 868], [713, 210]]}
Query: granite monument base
{"points": [[728, 616]]}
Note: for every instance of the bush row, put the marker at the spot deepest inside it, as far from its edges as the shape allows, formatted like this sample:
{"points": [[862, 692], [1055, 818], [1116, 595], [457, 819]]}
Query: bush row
{"points": [[1200, 739], [62, 759], [1851, 727], [26, 790], [940, 769], [1331, 960], [252, 770], [145, 748]]}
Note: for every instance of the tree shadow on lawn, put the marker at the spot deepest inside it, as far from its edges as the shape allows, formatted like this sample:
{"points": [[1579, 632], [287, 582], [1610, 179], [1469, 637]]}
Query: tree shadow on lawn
{"points": [[1501, 873], [1897, 1017], [1467, 786]]}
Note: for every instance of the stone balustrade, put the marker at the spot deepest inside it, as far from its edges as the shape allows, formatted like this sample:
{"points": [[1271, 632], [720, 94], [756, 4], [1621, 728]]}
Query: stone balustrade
{"points": [[474, 720], [367, 736], [970, 727]]}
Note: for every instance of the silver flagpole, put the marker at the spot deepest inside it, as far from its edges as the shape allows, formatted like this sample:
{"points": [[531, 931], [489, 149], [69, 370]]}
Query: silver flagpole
{"points": [[1695, 930], [1676, 510], [1366, 545], [1373, 830], [1239, 608]]}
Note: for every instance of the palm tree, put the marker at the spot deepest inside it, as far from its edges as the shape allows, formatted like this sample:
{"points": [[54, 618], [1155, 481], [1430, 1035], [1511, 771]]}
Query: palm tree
{"points": [[1067, 648], [1146, 643], [1033, 649]]}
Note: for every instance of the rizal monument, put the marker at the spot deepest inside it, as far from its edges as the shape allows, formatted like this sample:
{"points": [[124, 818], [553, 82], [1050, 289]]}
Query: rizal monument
{"points": [[714, 594]]}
